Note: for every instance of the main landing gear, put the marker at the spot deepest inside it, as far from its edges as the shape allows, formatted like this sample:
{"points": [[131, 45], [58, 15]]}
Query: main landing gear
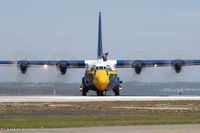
{"points": [[83, 88], [117, 90], [117, 93]]}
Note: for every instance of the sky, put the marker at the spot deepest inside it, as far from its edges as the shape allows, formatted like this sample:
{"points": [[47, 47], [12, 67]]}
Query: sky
{"points": [[132, 29]]}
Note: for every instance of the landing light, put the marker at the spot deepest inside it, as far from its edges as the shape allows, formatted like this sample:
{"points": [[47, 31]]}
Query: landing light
{"points": [[155, 65], [45, 66]]}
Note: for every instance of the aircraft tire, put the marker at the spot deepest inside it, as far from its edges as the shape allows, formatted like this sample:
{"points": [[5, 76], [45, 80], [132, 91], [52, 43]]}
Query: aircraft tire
{"points": [[99, 93], [117, 92], [84, 92]]}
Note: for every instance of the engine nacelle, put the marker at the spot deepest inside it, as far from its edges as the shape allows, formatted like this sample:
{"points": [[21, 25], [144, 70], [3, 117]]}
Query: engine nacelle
{"points": [[62, 66], [177, 66], [138, 65], [23, 66]]}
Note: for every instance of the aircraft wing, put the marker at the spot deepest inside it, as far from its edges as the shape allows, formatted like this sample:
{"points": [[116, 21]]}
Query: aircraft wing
{"points": [[62, 65], [69, 63], [138, 65], [155, 63]]}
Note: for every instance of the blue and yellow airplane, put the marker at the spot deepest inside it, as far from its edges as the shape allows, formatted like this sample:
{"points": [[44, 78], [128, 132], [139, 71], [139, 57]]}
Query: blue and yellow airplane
{"points": [[100, 74]]}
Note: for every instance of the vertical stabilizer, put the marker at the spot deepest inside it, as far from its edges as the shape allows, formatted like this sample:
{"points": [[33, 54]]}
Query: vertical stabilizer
{"points": [[100, 46]]}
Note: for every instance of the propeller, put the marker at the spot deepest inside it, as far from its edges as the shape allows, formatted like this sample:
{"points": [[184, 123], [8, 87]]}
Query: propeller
{"points": [[60, 73], [177, 72], [139, 71], [20, 72]]}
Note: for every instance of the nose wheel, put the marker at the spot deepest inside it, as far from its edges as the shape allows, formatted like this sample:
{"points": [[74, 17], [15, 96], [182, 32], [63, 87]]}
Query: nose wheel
{"points": [[100, 93]]}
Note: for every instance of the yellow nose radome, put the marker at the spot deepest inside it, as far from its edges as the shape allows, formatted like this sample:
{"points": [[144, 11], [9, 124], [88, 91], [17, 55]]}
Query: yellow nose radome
{"points": [[101, 79]]}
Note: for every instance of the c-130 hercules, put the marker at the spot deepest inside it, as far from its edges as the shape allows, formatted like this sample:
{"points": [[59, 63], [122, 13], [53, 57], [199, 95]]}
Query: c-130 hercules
{"points": [[100, 74]]}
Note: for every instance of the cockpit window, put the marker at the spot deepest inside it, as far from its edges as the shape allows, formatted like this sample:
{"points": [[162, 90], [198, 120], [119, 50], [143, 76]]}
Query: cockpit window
{"points": [[93, 68], [109, 68], [101, 68]]}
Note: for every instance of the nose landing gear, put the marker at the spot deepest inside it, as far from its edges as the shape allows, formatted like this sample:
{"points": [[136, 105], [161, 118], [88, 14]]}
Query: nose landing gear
{"points": [[100, 93]]}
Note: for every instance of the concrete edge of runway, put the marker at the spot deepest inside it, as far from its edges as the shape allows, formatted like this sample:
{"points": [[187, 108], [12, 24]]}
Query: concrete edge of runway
{"points": [[183, 128], [94, 98]]}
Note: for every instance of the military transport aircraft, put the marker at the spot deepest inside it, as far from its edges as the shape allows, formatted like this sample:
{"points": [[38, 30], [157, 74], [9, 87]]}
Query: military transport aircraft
{"points": [[100, 74]]}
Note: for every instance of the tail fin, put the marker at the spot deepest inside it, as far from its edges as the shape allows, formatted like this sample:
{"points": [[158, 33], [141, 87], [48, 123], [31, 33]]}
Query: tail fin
{"points": [[100, 46]]}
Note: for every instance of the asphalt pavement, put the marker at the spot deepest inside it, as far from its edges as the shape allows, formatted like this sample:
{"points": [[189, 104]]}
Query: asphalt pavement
{"points": [[185, 128]]}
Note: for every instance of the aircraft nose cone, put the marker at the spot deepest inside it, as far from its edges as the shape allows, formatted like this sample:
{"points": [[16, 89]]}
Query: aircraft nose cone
{"points": [[101, 80]]}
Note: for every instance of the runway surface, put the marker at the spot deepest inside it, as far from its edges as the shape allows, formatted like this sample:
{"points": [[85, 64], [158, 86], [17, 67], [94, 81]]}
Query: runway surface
{"points": [[93, 98], [186, 128]]}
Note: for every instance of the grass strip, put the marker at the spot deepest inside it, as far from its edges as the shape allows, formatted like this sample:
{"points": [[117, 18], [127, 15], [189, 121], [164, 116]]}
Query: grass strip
{"points": [[86, 121], [82, 108]]}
